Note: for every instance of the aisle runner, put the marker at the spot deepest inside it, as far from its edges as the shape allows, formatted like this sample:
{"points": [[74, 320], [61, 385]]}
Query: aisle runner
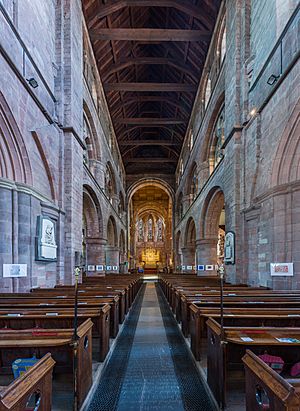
{"points": [[150, 382], [194, 395], [108, 391]]}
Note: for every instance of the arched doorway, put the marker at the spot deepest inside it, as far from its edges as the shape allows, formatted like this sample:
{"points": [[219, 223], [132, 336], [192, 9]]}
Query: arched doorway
{"points": [[123, 254]]}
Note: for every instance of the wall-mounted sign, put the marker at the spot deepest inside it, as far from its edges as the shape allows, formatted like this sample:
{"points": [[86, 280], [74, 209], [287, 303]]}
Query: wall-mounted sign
{"points": [[282, 269], [229, 248], [200, 267], [189, 267], [14, 270], [183, 267], [209, 267], [99, 268], [91, 268], [115, 268], [108, 268], [46, 249]]}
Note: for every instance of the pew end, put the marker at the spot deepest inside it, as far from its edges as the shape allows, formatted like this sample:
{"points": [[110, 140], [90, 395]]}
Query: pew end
{"points": [[37, 381]]}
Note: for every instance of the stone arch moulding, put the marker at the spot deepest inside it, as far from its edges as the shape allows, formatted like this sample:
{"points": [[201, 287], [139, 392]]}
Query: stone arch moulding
{"points": [[46, 164], [111, 232], [95, 140], [14, 158], [286, 165], [190, 232], [144, 182], [205, 152], [212, 208], [92, 212]]}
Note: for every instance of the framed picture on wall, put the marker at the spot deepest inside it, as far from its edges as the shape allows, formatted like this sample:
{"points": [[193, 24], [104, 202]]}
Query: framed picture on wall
{"points": [[46, 246]]}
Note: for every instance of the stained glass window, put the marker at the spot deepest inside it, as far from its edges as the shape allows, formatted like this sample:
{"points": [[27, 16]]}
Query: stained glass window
{"points": [[150, 229], [159, 230], [207, 92], [223, 46]]}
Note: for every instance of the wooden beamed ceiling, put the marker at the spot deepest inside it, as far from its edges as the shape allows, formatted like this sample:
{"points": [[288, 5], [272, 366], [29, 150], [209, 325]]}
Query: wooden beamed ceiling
{"points": [[150, 55]]}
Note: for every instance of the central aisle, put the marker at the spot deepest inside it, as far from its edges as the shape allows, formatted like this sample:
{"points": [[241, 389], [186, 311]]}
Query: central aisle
{"points": [[150, 381], [151, 368]]}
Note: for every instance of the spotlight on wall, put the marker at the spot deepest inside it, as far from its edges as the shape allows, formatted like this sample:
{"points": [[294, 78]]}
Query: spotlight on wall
{"points": [[32, 81], [272, 79]]}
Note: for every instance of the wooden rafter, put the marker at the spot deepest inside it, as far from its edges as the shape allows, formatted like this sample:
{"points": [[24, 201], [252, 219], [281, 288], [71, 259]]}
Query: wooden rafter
{"points": [[149, 35], [168, 87], [148, 121]]}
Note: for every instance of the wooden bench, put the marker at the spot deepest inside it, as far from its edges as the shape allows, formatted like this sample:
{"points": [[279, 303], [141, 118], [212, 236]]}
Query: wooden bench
{"points": [[34, 385], [266, 317], [266, 389], [18, 319], [29, 300], [224, 361], [26, 343]]}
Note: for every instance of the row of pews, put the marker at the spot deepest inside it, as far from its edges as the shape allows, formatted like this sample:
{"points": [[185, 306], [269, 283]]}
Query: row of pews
{"points": [[256, 321], [41, 324]]}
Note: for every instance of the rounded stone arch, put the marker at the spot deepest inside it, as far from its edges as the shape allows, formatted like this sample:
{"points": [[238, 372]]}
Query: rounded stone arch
{"points": [[14, 158], [190, 233], [221, 42], [111, 232], [192, 182], [178, 249], [207, 142], [144, 182], [211, 211], [110, 181], [286, 165], [91, 139], [92, 212], [179, 206]]}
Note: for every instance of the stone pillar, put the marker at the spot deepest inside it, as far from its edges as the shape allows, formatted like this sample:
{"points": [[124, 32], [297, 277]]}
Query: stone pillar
{"points": [[188, 257], [112, 258], [95, 251], [206, 253]]}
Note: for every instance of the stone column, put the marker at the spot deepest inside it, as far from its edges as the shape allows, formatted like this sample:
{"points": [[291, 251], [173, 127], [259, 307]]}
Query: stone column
{"points": [[188, 257], [112, 258], [95, 251], [206, 253]]}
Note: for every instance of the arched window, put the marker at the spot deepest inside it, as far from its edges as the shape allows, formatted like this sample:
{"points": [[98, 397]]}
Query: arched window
{"points": [[159, 230], [191, 140], [181, 167], [141, 230], [218, 140], [207, 93], [194, 185], [223, 46], [150, 229], [108, 184], [87, 135]]}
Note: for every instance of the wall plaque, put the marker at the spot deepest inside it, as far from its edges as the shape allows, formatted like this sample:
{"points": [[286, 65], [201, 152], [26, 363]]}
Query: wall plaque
{"points": [[282, 269], [229, 248], [14, 270], [46, 239]]}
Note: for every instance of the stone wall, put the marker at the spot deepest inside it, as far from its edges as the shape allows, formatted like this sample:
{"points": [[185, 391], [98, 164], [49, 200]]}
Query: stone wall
{"points": [[258, 173], [42, 144]]}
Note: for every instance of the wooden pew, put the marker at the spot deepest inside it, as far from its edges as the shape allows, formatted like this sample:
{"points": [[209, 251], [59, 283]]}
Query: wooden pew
{"points": [[29, 300], [266, 389], [224, 361], [26, 343], [35, 384], [18, 319], [266, 317]]}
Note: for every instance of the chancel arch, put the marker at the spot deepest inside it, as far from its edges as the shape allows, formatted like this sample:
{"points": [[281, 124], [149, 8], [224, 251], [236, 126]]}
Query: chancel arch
{"points": [[150, 211]]}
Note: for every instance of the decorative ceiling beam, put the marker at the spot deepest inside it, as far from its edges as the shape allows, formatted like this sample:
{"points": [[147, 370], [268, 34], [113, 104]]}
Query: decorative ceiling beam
{"points": [[151, 35], [167, 87], [128, 62], [184, 6], [146, 99], [147, 143], [149, 121], [150, 160]]}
